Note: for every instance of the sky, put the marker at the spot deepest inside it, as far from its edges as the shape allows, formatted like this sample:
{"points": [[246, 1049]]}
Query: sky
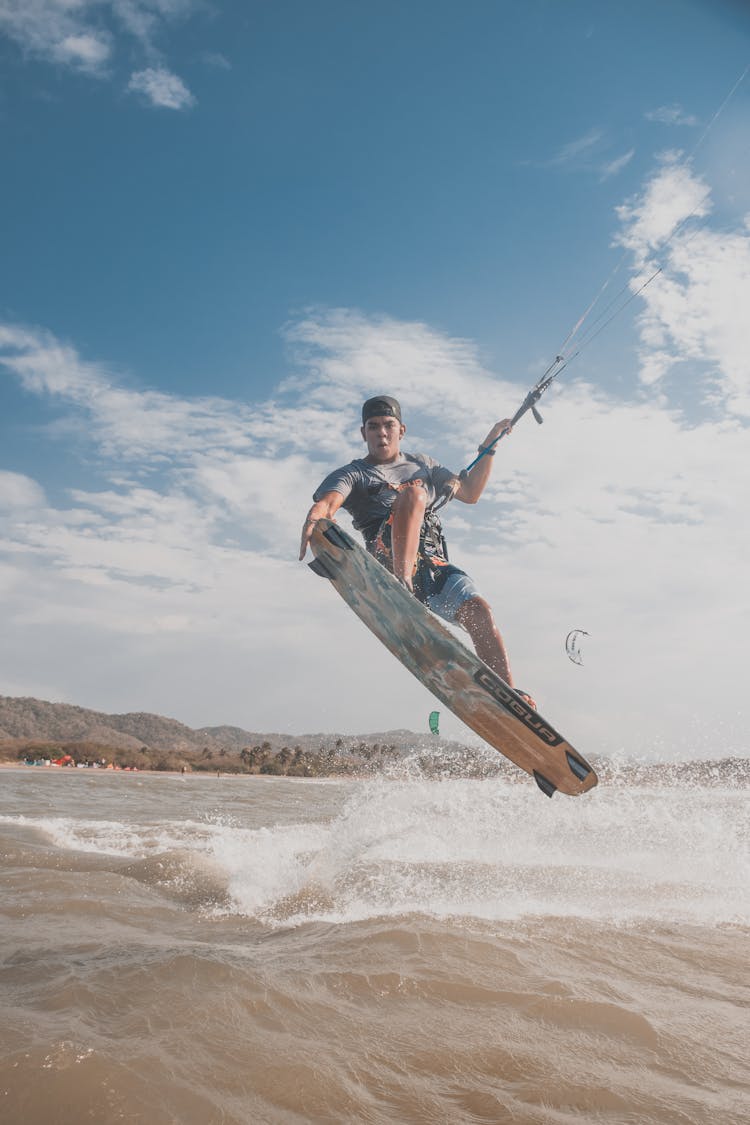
{"points": [[226, 224]]}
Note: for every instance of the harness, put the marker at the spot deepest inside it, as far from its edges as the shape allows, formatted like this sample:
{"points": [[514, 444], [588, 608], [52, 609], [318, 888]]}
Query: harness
{"points": [[431, 569]]}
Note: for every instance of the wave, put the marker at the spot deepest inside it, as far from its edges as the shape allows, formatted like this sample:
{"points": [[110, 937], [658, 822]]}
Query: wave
{"points": [[491, 851]]}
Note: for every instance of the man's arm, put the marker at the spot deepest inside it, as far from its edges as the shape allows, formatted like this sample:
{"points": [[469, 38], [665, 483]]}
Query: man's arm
{"points": [[471, 489], [325, 508]]}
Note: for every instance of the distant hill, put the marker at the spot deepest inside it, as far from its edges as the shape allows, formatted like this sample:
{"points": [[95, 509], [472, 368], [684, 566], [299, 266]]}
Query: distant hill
{"points": [[38, 720], [25, 721]]}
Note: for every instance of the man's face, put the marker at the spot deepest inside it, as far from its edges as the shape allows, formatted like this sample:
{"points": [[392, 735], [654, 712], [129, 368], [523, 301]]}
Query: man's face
{"points": [[383, 436]]}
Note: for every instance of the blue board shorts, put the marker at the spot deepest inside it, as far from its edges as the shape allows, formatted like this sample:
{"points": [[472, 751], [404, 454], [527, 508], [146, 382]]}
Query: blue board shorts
{"points": [[456, 589]]}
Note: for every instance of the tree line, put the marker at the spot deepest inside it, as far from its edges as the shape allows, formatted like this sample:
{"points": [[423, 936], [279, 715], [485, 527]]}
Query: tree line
{"points": [[289, 761]]}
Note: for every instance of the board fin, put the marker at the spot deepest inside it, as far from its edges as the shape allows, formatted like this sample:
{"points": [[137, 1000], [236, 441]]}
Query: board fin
{"points": [[546, 786], [317, 566], [579, 768]]}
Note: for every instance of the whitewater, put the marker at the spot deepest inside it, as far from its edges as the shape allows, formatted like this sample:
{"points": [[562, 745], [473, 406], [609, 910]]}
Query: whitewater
{"points": [[399, 949]]}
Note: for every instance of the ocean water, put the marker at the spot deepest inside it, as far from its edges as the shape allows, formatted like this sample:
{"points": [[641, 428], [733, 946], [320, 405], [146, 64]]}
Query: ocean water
{"points": [[202, 950]]}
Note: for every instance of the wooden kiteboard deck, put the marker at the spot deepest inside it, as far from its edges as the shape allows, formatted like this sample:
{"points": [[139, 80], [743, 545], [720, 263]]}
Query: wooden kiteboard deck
{"points": [[456, 676]]}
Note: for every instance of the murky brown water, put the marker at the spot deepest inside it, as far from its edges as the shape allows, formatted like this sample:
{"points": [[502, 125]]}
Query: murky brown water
{"points": [[204, 950]]}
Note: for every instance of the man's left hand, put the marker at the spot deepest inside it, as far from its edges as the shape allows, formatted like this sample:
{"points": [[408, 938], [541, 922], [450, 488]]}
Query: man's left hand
{"points": [[497, 430]]}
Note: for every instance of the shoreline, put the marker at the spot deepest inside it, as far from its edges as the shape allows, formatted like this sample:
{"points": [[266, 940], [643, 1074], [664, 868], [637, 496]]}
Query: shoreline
{"points": [[19, 767], [213, 775]]}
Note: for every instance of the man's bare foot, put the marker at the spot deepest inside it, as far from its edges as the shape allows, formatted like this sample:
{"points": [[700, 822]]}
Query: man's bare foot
{"points": [[528, 698]]}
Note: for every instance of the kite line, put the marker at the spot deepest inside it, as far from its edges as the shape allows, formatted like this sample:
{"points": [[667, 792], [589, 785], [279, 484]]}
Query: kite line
{"points": [[570, 350]]}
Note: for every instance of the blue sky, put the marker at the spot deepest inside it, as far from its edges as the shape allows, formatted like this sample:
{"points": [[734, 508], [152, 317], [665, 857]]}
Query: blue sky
{"points": [[224, 224]]}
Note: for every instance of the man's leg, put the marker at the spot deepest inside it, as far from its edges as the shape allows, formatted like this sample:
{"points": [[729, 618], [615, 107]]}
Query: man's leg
{"points": [[476, 618], [408, 515]]}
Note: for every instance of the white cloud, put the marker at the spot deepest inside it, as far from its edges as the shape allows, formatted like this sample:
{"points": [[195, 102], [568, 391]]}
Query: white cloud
{"points": [[19, 491], [83, 35], [137, 18], [672, 196], [89, 52], [162, 88], [586, 153], [145, 18], [618, 516], [216, 59], [671, 115], [614, 167], [697, 311], [57, 30], [124, 422], [578, 149]]}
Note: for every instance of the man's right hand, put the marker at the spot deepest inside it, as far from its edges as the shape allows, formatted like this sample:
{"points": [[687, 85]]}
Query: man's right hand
{"points": [[326, 508], [307, 529]]}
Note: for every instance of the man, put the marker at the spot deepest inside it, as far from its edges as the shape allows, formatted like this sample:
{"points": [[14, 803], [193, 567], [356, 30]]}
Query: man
{"points": [[389, 495]]}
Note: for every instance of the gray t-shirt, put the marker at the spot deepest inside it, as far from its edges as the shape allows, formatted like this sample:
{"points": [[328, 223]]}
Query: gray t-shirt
{"points": [[370, 490]]}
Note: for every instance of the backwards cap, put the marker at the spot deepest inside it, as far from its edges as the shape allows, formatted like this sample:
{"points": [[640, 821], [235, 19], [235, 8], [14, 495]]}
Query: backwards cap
{"points": [[379, 406]]}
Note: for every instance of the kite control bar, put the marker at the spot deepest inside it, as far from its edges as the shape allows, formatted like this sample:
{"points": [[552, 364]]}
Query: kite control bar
{"points": [[529, 403]]}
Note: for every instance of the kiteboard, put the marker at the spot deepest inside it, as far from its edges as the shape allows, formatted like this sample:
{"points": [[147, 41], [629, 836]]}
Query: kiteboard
{"points": [[456, 676]]}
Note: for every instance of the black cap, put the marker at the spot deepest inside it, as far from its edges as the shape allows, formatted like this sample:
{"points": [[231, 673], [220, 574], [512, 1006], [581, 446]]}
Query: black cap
{"points": [[379, 406]]}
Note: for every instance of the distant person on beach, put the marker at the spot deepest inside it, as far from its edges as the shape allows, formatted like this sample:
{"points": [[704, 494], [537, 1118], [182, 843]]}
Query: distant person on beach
{"points": [[390, 495]]}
